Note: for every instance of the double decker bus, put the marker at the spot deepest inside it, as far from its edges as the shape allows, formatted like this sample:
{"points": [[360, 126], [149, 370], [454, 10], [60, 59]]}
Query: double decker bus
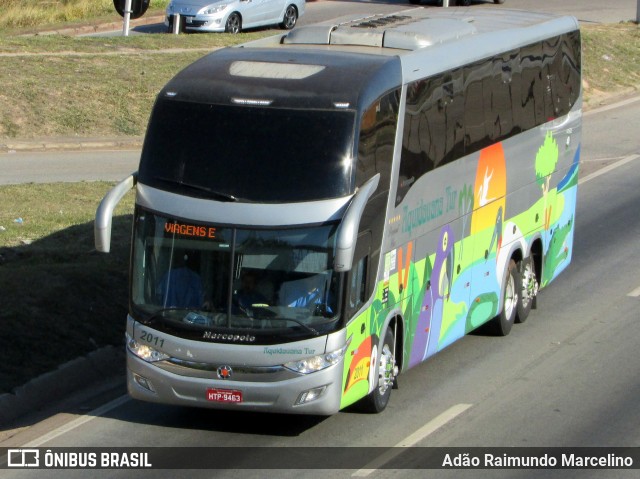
{"points": [[319, 211]]}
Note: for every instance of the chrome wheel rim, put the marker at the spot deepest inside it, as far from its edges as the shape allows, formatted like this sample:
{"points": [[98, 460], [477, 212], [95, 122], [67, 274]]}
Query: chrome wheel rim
{"points": [[233, 24], [528, 285], [290, 17], [510, 298], [386, 370]]}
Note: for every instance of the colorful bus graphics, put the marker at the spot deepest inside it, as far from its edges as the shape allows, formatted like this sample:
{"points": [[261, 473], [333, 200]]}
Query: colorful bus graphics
{"points": [[447, 295]]}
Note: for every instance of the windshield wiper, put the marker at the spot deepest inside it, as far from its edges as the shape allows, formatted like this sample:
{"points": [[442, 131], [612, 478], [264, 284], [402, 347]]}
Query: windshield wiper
{"points": [[300, 323], [159, 314], [217, 194], [263, 313]]}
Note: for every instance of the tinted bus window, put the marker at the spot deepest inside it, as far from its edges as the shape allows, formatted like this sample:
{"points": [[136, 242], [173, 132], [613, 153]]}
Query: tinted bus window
{"points": [[267, 155]]}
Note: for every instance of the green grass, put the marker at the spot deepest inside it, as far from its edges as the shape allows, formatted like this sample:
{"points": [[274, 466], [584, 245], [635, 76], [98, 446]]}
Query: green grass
{"points": [[78, 86], [29, 45], [104, 87], [60, 298], [38, 13], [611, 59]]}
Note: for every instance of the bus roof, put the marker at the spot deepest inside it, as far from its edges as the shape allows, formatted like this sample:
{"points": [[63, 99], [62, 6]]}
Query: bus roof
{"points": [[428, 40], [282, 78], [420, 28], [351, 61]]}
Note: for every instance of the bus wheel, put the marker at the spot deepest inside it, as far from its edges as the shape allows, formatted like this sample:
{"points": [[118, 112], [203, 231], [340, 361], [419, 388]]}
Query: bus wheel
{"points": [[376, 401], [501, 324], [528, 289]]}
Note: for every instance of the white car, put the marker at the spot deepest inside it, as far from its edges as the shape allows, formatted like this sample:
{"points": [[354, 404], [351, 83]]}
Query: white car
{"points": [[233, 16]]}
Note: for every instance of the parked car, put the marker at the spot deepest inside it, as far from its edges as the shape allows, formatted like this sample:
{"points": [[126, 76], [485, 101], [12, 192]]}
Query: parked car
{"points": [[233, 16]]}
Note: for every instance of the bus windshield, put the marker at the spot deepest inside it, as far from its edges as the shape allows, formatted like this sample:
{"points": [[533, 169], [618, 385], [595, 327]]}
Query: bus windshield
{"points": [[264, 155], [201, 280]]}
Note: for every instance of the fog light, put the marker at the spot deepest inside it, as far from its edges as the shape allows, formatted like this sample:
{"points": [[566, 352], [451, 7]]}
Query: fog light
{"points": [[311, 395], [143, 382]]}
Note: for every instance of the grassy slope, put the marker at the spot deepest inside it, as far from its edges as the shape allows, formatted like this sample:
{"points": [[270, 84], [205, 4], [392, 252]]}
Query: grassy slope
{"points": [[109, 89], [59, 298], [15, 14], [611, 59], [91, 86]]}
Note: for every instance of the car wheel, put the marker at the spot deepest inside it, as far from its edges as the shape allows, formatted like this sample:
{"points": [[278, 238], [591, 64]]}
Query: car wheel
{"points": [[234, 24], [376, 401], [290, 18]]}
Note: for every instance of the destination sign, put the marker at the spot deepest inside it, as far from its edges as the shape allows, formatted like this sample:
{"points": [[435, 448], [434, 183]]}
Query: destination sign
{"points": [[190, 230]]}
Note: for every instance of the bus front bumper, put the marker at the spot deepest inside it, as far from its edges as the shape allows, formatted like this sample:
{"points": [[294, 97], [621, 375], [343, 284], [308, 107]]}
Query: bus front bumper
{"points": [[317, 393]]}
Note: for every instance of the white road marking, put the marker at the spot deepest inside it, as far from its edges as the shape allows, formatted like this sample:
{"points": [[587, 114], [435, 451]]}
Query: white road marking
{"points": [[598, 160], [635, 293], [607, 169], [105, 408], [429, 428]]}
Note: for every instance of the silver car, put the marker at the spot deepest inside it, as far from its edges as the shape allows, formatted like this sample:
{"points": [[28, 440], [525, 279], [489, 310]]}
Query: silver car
{"points": [[233, 16]]}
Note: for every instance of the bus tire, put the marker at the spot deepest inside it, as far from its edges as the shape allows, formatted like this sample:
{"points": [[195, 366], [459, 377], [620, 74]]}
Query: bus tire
{"points": [[376, 401], [528, 289], [501, 325]]}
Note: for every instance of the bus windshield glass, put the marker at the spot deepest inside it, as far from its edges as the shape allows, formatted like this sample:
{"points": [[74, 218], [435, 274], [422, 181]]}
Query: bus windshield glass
{"points": [[248, 154], [194, 278]]}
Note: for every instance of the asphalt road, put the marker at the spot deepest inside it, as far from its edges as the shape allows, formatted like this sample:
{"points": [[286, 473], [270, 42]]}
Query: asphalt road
{"points": [[595, 11], [66, 166], [566, 377]]}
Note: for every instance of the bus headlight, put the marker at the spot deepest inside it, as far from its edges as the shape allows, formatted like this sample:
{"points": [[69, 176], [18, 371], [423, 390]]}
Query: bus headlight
{"points": [[316, 363], [144, 352]]}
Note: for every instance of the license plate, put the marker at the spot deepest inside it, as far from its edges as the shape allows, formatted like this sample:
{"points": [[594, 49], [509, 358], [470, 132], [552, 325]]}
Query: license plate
{"points": [[224, 395], [189, 19]]}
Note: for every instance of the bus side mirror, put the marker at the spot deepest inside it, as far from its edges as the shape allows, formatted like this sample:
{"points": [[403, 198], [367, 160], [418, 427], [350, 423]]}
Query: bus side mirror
{"points": [[348, 231], [104, 214]]}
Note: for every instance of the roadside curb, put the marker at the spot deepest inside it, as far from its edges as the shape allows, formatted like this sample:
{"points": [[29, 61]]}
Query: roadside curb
{"points": [[102, 27], [70, 144], [54, 386]]}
